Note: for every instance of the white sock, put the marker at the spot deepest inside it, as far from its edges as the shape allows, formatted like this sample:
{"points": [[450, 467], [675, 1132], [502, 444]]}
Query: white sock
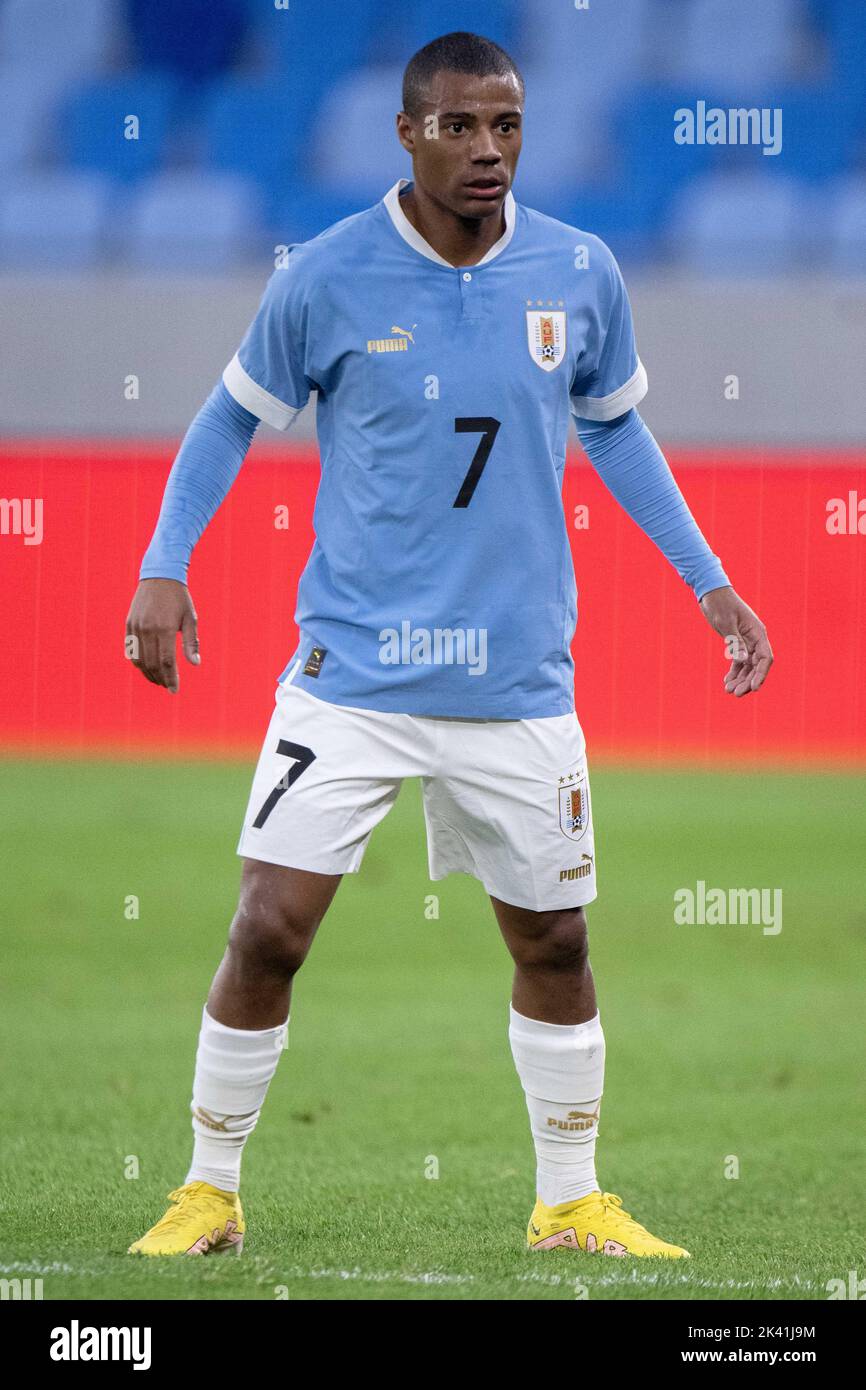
{"points": [[561, 1069], [233, 1069]]}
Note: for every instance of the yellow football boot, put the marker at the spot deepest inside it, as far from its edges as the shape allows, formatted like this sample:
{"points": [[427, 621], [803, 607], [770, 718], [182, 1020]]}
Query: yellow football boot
{"points": [[202, 1221], [596, 1223]]}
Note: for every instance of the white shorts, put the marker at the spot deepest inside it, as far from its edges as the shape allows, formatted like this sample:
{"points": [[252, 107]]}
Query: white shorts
{"points": [[506, 800]]}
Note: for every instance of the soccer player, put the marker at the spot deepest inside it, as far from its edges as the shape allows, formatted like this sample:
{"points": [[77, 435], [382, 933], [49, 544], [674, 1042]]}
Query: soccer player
{"points": [[449, 332]]}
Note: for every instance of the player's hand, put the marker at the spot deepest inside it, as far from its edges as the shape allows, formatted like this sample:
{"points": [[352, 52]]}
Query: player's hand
{"points": [[160, 610], [745, 639]]}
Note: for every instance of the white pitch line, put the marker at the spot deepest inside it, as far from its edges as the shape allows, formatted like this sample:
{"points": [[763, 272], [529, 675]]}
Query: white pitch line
{"points": [[373, 1276], [442, 1278], [663, 1281]]}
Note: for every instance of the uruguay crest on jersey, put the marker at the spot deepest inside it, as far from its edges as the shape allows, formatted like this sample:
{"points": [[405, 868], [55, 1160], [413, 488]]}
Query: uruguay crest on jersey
{"points": [[545, 329]]}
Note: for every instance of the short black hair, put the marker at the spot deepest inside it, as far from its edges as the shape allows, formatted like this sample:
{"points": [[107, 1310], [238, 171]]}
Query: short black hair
{"points": [[457, 52]]}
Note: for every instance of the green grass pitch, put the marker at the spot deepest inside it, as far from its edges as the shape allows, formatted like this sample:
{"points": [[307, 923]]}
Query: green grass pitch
{"points": [[721, 1041]]}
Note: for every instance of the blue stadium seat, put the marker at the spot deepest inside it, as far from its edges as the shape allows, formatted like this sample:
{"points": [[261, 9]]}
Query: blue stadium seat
{"points": [[193, 39], [92, 120], [743, 224], [609, 212], [355, 151], [846, 229], [650, 166], [413, 26], [257, 127], [304, 213], [322, 38], [600, 50], [54, 36], [844, 25], [56, 220], [819, 128], [558, 156], [189, 221], [27, 106], [735, 46]]}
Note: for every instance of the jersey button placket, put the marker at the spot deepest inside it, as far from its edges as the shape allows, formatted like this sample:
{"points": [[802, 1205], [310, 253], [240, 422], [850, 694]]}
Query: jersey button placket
{"points": [[470, 305]]}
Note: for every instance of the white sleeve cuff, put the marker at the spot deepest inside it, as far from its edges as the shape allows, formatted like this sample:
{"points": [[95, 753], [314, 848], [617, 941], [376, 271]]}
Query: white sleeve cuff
{"points": [[256, 399], [617, 403]]}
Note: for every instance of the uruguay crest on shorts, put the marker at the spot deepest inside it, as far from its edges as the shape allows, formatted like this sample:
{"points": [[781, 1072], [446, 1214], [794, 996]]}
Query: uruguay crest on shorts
{"points": [[574, 808], [545, 329]]}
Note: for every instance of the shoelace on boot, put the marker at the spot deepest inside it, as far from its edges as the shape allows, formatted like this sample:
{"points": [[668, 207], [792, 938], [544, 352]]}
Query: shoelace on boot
{"points": [[185, 1203], [612, 1202]]}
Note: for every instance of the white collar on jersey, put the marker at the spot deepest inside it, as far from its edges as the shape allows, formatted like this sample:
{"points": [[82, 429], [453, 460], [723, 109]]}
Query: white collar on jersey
{"points": [[417, 242]]}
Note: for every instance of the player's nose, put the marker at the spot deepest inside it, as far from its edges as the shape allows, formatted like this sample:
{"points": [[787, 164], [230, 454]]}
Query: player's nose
{"points": [[484, 148]]}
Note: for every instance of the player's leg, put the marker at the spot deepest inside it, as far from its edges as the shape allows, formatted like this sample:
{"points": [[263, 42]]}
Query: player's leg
{"points": [[245, 1019], [557, 1043], [513, 808], [241, 1039], [559, 1051], [326, 776], [279, 910], [552, 974]]}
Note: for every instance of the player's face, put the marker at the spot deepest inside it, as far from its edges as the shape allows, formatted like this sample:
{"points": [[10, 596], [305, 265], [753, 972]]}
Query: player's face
{"points": [[466, 141]]}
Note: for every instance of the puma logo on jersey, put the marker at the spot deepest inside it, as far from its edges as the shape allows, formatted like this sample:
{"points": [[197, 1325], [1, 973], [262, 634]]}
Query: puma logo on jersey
{"points": [[400, 344]]}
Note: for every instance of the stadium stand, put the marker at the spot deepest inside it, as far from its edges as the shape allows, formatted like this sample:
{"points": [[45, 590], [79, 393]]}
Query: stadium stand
{"points": [[280, 120]]}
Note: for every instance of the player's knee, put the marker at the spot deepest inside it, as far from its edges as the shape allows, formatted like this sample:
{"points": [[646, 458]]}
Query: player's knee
{"points": [[270, 936], [563, 945]]}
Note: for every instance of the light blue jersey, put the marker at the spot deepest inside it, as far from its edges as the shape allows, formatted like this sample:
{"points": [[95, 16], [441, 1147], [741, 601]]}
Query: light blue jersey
{"points": [[441, 579]]}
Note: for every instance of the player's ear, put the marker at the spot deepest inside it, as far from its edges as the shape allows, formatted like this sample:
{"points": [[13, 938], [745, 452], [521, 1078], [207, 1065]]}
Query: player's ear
{"points": [[405, 131]]}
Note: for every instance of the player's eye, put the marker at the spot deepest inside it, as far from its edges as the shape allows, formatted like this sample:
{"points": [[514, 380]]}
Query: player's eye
{"points": [[457, 126]]}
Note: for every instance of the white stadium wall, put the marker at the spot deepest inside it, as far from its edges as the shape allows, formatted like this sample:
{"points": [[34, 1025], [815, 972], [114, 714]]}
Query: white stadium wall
{"points": [[797, 349]]}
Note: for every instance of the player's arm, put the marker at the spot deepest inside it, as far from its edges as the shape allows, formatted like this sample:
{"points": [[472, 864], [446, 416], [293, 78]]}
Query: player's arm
{"points": [[265, 380], [634, 469], [207, 464], [609, 383]]}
